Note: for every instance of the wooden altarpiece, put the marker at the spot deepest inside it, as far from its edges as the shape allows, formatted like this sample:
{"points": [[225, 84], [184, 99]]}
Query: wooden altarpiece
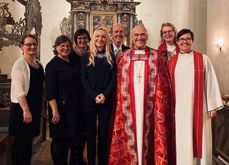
{"points": [[90, 14]]}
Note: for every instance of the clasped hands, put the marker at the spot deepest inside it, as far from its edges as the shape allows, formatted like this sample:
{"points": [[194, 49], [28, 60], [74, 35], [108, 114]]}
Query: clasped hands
{"points": [[100, 99]]}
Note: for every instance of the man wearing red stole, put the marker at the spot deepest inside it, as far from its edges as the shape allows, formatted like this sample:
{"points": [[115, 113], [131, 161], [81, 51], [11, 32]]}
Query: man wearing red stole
{"points": [[197, 98], [140, 134]]}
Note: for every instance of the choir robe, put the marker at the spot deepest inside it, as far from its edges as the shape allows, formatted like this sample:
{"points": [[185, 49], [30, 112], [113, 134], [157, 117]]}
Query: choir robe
{"points": [[184, 96], [142, 113]]}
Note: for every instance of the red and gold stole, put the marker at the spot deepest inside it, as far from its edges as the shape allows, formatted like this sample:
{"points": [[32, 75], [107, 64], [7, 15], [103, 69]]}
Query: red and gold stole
{"points": [[198, 99]]}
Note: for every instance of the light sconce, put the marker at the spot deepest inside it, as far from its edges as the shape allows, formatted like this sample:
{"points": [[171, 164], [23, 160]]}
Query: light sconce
{"points": [[219, 43]]}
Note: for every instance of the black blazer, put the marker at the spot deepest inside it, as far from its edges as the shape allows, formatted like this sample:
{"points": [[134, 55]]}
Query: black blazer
{"points": [[124, 48]]}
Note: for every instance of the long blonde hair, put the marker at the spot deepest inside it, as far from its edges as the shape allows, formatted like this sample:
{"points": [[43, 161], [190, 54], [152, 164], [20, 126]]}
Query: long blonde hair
{"points": [[93, 49]]}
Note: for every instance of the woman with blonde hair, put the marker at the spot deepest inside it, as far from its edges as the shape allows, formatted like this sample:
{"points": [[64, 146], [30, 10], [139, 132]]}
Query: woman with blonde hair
{"points": [[98, 75], [167, 46]]}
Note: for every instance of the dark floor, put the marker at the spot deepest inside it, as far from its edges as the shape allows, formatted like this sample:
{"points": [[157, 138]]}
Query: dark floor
{"points": [[42, 154], [43, 157]]}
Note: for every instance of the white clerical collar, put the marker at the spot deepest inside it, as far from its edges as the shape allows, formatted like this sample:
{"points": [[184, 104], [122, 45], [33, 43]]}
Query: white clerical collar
{"points": [[139, 52], [186, 52]]}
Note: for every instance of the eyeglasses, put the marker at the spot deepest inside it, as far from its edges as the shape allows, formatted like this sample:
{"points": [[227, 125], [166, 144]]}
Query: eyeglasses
{"points": [[185, 39], [169, 31], [82, 38], [31, 44]]}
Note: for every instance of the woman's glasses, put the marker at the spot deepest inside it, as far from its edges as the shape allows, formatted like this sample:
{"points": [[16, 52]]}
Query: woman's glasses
{"points": [[31, 44], [82, 38], [185, 39], [169, 31]]}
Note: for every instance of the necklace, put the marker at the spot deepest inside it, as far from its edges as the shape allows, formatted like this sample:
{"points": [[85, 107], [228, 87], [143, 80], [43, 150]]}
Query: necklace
{"points": [[139, 70], [32, 63], [100, 55]]}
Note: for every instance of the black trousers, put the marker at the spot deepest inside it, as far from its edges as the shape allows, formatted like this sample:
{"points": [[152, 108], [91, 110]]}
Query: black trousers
{"points": [[103, 112], [60, 147], [22, 151]]}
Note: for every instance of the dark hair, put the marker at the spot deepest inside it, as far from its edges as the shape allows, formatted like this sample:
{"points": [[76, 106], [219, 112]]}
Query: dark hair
{"points": [[81, 32], [27, 36], [185, 31], [59, 40]]}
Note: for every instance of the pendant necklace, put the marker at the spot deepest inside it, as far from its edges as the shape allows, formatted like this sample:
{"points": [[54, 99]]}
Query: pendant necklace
{"points": [[33, 63], [139, 70]]}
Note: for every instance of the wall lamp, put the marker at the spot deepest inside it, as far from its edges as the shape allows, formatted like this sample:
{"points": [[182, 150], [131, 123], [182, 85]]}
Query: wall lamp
{"points": [[219, 43]]}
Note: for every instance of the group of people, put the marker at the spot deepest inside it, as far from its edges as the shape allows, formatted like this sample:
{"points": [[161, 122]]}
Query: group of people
{"points": [[131, 106]]}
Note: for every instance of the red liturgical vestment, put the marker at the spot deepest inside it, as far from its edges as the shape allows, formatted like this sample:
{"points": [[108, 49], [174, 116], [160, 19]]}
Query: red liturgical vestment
{"points": [[155, 110]]}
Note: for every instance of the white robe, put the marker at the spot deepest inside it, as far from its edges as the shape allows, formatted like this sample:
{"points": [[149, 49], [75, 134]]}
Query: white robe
{"points": [[184, 85]]}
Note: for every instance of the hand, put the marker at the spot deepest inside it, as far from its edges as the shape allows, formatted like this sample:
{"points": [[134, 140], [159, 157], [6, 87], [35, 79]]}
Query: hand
{"points": [[27, 116], [55, 117], [212, 114], [100, 99]]}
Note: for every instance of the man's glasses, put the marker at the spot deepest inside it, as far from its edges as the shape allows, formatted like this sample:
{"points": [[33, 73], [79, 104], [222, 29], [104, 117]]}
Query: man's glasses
{"points": [[31, 44]]}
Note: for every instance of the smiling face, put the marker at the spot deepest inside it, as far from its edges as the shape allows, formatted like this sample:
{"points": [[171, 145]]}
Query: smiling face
{"points": [[29, 46], [117, 34], [185, 43], [139, 37], [100, 39], [82, 41], [168, 34], [63, 49]]}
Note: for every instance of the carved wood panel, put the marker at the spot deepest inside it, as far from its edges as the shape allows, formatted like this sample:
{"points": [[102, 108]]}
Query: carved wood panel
{"points": [[90, 14]]}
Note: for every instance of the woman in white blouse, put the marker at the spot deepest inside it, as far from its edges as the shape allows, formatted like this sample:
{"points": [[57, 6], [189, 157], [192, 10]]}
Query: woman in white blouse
{"points": [[26, 101]]}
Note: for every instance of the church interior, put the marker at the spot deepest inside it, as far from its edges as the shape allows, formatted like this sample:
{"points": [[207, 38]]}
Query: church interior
{"points": [[208, 19]]}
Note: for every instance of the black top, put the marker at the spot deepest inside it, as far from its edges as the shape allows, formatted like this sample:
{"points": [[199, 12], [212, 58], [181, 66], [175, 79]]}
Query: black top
{"points": [[75, 58], [34, 99], [76, 61], [63, 84], [100, 78]]}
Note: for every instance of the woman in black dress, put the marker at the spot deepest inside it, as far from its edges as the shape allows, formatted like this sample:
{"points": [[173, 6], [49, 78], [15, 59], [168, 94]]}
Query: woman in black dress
{"points": [[26, 101], [63, 86], [98, 74], [81, 46]]}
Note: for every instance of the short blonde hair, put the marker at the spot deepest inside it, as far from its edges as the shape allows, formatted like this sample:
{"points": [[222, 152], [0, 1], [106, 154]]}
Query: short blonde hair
{"points": [[170, 25]]}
